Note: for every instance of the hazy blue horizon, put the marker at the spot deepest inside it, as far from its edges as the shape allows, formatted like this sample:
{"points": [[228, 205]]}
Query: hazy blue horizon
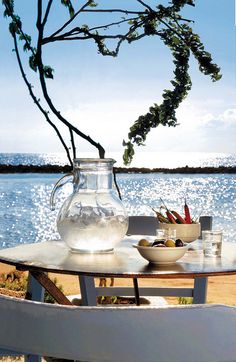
{"points": [[142, 159]]}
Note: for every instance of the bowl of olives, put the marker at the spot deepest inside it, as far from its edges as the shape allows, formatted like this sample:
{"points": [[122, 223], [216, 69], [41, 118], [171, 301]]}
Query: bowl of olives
{"points": [[161, 251]]}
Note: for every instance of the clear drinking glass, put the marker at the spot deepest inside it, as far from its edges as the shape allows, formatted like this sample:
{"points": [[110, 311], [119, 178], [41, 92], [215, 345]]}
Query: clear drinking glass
{"points": [[160, 235], [170, 234], [212, 242], [165, 234], [92, 218]]}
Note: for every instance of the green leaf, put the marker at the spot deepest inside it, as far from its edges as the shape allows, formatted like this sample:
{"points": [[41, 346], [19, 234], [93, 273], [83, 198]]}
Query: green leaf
{"points": [[15, 25], [176, 40], [92, 4], [27, 39], [48, 71], [32, 62], [9, 7], [68, 4], [13, 28]]}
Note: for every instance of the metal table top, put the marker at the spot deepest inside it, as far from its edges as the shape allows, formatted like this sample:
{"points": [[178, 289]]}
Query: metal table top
{"points": [[125, 262]]}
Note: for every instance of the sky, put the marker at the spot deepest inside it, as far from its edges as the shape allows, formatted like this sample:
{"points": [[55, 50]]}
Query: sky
{"points": [[103, 96]]}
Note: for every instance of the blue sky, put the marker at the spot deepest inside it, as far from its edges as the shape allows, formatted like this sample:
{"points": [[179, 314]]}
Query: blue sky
{"points": [[104, 96]]}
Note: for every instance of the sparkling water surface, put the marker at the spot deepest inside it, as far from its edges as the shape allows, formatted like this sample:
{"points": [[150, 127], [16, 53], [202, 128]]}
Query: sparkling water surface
{"points": [[25, 215], [141, 159]]}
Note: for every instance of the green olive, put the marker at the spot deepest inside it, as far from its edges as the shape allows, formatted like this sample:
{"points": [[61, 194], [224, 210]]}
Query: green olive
{"points": [[170, 243], [143, 242]]}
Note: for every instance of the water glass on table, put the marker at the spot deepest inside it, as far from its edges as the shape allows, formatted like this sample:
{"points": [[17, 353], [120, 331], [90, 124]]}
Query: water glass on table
{"points": [[165, 234], [212, 242]]}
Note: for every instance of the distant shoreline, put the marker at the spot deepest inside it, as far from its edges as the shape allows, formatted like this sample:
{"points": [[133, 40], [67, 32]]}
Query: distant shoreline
{"points": [[4, 169]]}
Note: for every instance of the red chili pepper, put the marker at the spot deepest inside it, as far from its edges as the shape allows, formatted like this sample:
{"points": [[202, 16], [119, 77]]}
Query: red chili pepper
{"points": [[170, 217], [178, 217], [160, 217], [187, 214], [168, 214]]}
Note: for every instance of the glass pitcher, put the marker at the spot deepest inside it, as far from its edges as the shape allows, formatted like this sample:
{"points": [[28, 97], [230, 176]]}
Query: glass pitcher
{"points": [[92, 218]]}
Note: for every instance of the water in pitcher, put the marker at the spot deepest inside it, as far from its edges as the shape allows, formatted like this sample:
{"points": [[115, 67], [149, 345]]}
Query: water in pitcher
{"points": [[92, 231], [92, 219]]}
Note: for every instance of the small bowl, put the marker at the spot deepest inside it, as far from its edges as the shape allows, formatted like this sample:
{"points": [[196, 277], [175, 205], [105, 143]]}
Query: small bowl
{"points": [[186, 232], [161, 255]]}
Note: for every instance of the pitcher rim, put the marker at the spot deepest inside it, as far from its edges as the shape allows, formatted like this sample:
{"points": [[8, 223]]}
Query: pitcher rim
{"points": [[96, 160]]}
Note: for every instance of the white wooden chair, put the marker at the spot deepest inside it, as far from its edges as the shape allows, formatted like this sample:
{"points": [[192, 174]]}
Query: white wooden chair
{"points": [[101, 334], [147, 225]]}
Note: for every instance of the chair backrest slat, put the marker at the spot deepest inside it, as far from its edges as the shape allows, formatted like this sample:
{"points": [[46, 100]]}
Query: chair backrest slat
{"points": [[114, 334], [147, 225], [142, 225]]}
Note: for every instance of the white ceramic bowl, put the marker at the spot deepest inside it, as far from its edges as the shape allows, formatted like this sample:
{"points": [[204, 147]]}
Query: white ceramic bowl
{"points": [[186, 232], [161, 255]]}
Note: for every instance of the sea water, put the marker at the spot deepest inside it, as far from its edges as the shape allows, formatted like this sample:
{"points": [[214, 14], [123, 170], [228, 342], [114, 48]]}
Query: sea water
{"points": [[25, 214]]}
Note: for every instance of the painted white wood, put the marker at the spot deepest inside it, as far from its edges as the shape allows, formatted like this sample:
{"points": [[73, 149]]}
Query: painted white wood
{"points": [[88, 290], [145, 291], [35, 291], [206, 223], [96, 334], [200, 290]]}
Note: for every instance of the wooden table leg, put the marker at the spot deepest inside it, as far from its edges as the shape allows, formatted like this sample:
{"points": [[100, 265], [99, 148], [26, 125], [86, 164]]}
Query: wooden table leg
{"points": [[200, 290], [52, 289]]}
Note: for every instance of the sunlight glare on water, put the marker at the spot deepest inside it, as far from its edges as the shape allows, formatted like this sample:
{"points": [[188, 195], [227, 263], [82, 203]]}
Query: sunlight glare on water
{"points": [[25, 215], [206, 195]]}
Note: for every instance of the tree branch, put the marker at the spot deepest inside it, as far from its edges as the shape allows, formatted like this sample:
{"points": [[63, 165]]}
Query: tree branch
{"points": [[70, 20], [78, 30], [36, 101], [127, 12], [145, 5], [47, 12], [48, 99], [73, 143]]}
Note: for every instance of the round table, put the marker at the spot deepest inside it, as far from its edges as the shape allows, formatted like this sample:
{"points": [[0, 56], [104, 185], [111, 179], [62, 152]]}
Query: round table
{"points": [[125, 262]]}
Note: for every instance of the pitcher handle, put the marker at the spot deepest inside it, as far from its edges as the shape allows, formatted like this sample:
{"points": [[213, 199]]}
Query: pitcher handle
{"points": [[61, 182]]}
